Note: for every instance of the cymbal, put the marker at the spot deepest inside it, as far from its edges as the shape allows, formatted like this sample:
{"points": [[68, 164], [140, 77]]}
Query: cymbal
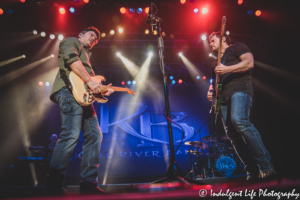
{"points": [[210, 139], [195, 152], [197, 144]]}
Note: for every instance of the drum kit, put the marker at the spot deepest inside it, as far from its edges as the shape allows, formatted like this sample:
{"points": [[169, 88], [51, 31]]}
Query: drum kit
{"points": [[211, 158]]}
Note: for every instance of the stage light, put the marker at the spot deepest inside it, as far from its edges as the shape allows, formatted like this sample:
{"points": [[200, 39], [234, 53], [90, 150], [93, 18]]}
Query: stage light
{"points": [[118, 53], [34, 32], [211, 80], [172, 36], [23, 1], [204, 77], [173, 82], [182, 1], [146, 31], [180, 54], [10, 11], [210, 55], [52, 36], [227, 32], [112, 32], [250, 12], [155, 32], [24, 56], [122, 10], [43, 34], [85, 1], [120, 30], [1, 11], [163, 34], [41, 83], [150, 53], [123, 83], [129, 82], [52, 55], [72, 10], [171, 77], [62, 11], [133, 82], [240, 2], [47, 84], [179, 81], [60, 37], [139, 10], [147, 10], [196, 10], [131, 10], [203, 37], [198, 77], [204, 10], [258, 13], [103, 34]]}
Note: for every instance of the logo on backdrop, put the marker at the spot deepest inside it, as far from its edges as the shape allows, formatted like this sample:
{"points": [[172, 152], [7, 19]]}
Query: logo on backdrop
{"points": [[146, 123]]}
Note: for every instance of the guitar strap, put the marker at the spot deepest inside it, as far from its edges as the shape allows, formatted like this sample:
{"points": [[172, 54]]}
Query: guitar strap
{"points": [[64, 77]]}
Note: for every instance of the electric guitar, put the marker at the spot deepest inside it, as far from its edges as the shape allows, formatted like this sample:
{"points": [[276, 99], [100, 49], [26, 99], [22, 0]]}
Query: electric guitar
{"points": [[84, 95], [218, 85]]}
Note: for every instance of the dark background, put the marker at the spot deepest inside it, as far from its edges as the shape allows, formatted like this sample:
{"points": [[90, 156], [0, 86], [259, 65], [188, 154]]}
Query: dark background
{"points": [[29, 118]]}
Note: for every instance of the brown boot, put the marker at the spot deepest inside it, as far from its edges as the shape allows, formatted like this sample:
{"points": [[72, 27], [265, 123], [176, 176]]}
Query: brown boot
{"points": [[268, 174]]}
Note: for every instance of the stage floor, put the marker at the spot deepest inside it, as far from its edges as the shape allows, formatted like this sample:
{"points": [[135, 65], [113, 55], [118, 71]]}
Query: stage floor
{"points": [[222, 188]]}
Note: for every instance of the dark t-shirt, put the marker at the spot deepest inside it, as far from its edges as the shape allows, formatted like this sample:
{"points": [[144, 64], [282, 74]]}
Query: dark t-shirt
{"points": [[234, 82]]}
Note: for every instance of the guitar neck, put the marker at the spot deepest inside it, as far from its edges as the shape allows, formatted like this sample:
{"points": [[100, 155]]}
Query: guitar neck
{"points": [[118, 89]]}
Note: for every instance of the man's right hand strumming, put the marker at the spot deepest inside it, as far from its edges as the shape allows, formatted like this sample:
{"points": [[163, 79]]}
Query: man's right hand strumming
{"points": [[94, 86], [209, 95]]}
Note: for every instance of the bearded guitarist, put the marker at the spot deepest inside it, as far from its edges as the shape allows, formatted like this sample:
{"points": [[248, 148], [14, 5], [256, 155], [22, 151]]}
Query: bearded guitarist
{"points": [[236, 98]]}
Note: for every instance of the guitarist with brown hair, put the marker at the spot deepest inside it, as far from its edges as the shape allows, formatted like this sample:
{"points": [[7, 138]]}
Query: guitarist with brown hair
{"points": [[235, 102], [73, 56]]}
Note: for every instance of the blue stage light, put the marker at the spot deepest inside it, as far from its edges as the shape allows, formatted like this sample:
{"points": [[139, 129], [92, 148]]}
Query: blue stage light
{"points": [[139, 10], [171, 77], [129, 82], [131, 10], [250, 12], [47, 84], [198, 77], [72, 10], [133, 82], [211, 80], [10, 11], [173, 82]]}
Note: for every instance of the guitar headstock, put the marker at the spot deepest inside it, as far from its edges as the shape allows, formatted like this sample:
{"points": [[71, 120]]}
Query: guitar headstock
{"points": [[129, 91]]}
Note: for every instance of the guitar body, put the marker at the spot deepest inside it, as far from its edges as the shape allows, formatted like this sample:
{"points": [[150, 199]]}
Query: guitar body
{"points": [[84, 96], [81, 92]]}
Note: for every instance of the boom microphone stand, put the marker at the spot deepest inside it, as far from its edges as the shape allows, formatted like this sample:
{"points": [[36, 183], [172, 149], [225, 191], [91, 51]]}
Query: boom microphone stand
{"points": [[174, 172]]}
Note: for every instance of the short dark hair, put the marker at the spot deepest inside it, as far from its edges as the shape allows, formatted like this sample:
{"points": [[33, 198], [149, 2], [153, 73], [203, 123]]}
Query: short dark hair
{"points": [[218, 35], [91, 28]]}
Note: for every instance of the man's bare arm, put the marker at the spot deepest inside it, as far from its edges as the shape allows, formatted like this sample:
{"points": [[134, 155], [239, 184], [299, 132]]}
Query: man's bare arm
{"points": [[78, 69], [246, 64]]}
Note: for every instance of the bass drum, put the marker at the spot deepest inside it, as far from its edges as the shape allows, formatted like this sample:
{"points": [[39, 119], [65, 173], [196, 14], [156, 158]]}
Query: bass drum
{"points": [[225, 165]]}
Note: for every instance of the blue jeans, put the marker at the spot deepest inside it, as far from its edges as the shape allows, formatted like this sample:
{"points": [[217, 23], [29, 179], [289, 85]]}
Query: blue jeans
{"points": [[239, 129], [75, 118]]}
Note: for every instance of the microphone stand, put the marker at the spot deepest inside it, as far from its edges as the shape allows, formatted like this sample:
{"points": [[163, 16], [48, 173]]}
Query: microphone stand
{"points": [[174, 172]]}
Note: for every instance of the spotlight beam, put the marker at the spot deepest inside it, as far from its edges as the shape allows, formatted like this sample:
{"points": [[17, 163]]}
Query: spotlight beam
{"points": [[131, 67], [6, 62], [191, 68], [15, 74]]}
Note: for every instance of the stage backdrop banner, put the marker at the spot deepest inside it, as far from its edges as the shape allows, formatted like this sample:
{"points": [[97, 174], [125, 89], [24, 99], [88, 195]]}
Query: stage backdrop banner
{"points": [[135, 132]]}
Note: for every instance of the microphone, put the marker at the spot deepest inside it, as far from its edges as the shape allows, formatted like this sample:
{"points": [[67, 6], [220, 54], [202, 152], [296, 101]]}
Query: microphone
{"points": [[149, 14]]}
